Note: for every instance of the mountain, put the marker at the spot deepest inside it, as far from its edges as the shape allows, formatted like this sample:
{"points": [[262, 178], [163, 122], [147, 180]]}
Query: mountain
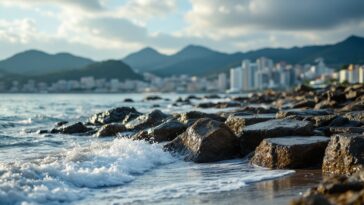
{"points": [[198, 60], [145, 59], [34, 62], [111, 69]]}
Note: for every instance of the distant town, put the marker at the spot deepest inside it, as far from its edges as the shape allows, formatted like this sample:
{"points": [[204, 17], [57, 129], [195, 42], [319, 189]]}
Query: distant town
{"points": [[261, 74]]}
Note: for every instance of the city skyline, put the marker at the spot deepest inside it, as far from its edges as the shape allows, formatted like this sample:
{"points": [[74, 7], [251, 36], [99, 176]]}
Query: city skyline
{"points": [[103, 29]]}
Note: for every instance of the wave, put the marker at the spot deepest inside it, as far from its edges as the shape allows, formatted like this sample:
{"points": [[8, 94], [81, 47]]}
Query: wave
{"points": [[67, 176]]}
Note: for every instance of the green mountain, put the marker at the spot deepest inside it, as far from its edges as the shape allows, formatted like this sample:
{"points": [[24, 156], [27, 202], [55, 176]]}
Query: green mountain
{"points": [[111, 69], [34, 62], [197, 60]]}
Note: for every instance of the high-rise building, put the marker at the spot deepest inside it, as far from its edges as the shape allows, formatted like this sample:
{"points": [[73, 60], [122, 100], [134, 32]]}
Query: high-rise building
{"points": [[236, 79], [361, 74], [249, 70], [222, 82]]}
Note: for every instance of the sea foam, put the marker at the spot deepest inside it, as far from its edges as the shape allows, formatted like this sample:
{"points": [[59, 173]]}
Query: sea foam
{"points": [[67, 176]]}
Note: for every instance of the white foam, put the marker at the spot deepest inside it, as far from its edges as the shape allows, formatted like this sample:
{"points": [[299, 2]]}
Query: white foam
{"points": [[65, 177]]}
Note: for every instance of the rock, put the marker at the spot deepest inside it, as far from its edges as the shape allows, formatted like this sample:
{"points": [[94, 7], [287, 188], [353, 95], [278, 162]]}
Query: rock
{"points": [[325, 104], [253, 134], [338, 130], [354, 106], [340, 190], [301, 113], [42, 132], [166, 131], [110, 130], [236, 123], [355, 116], [128, 100], [323, 120], [61, 123], [344, 154], [153, 97], [213, 96], [303, 89], [259, 110], [147, 120], [113, 115], [305, 104], [76, 128], [190, 117], [290, 152], [206, 141], [218, 105], [192, 97]]}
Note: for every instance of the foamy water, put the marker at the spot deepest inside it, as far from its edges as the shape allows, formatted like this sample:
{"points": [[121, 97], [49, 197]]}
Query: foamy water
{"points": [[63, 169]]}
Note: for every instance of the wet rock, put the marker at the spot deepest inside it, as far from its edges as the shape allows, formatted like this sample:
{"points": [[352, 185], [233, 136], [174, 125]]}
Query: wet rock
{"points": [[340, 190], [355, 116], [301, 113], [147, 120], [354, 106], [153, 97], [237, 122], [323, 120], [213, 96], [290, 152], [344, 154], [303, 89], [338, 130], [192, 116], [61, 123], [218, 105], [110, 130], [166, 131], [325, 104], [192, 97], [305, 104], [76, 128], [113, 115], [206, 141], [129, 100], [253, 134], [259, 110], [42, 132]]}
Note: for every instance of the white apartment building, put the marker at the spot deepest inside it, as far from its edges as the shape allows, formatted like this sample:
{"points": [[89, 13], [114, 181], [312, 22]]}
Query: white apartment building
{"points": [[236, 79]]}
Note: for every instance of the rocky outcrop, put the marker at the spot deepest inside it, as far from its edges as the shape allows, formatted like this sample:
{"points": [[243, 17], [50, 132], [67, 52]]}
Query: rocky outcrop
{"points": [[237, 122], [301, 113], [149, 120], [252, 135], [113, 115], [190, 117], [75, 128], [110, 130], [338, 190], [166, 131], [206, 141], [290, 152], [344, 154], [356, 116]]}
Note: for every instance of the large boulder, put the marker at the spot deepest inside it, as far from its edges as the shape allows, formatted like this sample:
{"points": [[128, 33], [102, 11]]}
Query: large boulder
{"points": [[166, 131], [149, 120], [290, 152], [237, 122], [344, 154], [192, 116], [206, 141], [301, 113], [76, 128], [252, 135], [113, 115], [110, 130]]}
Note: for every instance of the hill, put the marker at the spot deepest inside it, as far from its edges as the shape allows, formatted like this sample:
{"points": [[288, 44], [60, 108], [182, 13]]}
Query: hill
{"points": [[34, 62]]}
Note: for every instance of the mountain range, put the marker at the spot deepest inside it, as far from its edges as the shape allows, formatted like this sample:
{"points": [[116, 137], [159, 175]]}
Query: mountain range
{"points": [[198, 60], [191, 60]]}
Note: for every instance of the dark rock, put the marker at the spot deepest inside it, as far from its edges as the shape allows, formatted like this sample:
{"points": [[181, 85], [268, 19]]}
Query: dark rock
{"points": [[323, 120], [259, 110], [128, 100], [155, 106], [153, 97], [190, 117], [206, 141], [301, 113], [213, 96], [166, 131], [344, 154], [113, 115], [147, 120], [61, 123], [218, 104], [354, 106], [305, 104], [303, 89], [192, 97], [42, 132], [76, 128], [290, 152], [253, 134], [338, 130], [355, 116], [110, 130], [325, 104], [311, 200], [237, 123]]}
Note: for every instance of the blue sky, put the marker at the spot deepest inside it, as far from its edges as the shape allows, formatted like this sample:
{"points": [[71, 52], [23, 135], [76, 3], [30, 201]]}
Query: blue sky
{"points": [[104, 29]]}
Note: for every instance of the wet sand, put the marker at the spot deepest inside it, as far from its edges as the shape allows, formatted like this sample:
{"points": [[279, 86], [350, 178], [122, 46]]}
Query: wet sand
{"points": [[271, 192]]}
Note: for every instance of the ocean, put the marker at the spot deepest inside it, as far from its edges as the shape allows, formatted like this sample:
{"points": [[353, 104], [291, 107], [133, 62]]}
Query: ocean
{"points": [[64, 169]]}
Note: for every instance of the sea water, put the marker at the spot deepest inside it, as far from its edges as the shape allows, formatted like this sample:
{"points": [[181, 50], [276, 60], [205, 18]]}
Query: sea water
{"points": [[68, 169]]}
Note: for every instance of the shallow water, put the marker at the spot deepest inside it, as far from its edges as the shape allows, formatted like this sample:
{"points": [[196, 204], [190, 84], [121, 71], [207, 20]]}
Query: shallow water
{"points": [[64, 169]]}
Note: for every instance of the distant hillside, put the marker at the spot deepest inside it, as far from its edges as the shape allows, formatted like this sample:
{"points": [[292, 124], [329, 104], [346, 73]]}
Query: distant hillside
{"points": [[33, 62], [197, 60], [111, 69]]}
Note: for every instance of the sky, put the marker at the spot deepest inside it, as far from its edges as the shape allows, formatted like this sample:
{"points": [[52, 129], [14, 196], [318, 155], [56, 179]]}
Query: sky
{"points": [[111, 29]]}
